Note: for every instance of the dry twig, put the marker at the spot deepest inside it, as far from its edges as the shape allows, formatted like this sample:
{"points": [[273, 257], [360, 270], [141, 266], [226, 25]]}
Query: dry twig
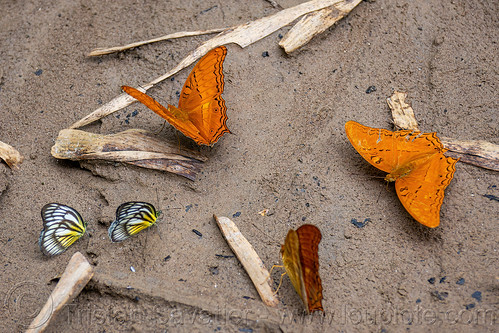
{"points": [[132, 146], [249, 259], [76, 276], [315, 23], [103, 51]]}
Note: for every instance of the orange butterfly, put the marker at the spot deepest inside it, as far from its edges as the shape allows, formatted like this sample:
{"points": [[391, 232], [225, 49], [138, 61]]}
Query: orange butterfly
{"points": [[300, 255], [415, 161], [201, 113]]}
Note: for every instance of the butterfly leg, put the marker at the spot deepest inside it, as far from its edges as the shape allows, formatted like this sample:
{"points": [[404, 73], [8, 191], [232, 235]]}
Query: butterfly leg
{"points": [[280, 282]]}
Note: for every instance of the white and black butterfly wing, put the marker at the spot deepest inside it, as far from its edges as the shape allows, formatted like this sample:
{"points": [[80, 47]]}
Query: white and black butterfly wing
{"points": [[62, 226], [131, 218]]}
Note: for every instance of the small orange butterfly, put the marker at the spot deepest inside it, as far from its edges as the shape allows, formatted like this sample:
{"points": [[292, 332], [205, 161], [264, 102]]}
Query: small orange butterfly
{"points": [[415, 161], [300, 255], [201, 114]]}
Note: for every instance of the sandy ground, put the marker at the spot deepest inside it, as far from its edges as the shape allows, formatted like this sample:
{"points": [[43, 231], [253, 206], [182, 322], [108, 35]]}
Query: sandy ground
{"points": [[288, 153]]}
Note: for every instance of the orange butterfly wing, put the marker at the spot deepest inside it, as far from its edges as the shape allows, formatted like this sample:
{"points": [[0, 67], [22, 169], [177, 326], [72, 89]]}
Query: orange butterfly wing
{"points": [[201, 96], [414, 160], [179, 120], [422, 190], [201, 113], [300, 255]]}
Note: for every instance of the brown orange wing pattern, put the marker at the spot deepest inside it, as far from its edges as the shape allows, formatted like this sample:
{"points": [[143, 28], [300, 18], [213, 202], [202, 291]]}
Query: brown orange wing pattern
{"points": [[179, 120], [290, 252], [387, 150], [422, 190], [201, 96], [309, 237], [201, 114], [301, 259], [414, 160]]}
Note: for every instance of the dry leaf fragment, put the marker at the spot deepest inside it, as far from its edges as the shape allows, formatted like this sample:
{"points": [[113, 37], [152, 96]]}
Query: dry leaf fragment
{"points": [[243, 35], [10, 155], [132, 146], [75, 277], [264, 212], [248, 257], [402, 113], [476, 152], [315, 23]]}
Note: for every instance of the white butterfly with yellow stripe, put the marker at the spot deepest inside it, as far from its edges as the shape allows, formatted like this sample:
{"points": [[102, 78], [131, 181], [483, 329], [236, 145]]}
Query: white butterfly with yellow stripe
{"points": [[131, 218], [62, 226]]}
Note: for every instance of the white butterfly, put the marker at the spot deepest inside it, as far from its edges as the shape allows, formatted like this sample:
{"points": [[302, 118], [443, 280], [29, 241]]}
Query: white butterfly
{"points": [[62, 226], [131, 218]]}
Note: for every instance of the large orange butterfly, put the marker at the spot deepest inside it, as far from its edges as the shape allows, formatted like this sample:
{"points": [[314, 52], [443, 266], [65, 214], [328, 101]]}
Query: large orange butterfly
{"points": [[300, 255], [201, 113], [415, 161]]}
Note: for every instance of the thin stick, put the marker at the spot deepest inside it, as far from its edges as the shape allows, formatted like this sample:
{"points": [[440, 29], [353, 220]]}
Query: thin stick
{"points": [[248, 257], [180, 34], [76, 276]]}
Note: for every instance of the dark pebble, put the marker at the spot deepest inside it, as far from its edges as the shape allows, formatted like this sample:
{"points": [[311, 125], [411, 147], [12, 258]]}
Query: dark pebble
{"points": [[197, 233], [431, 280], [265, 54], [477, 295], [360, 224], [460, 281], [370, 89], [237, 214], [38, 72]]}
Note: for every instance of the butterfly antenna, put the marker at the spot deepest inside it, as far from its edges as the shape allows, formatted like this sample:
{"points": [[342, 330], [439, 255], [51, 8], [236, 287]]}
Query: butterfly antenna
{"points": [[161, 128]]}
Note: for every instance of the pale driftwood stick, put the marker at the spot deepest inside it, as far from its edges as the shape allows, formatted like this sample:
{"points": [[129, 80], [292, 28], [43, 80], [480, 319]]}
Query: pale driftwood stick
{"points": [[402, 113], [476, 152], [315, 23], [243, 35], [248, 257], [76, 276], [133, 146], [10, 155], [103, 51]]}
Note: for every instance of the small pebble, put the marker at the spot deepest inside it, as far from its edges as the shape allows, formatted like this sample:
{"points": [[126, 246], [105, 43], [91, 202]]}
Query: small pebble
{"points": [[477, 295], [460, 281], [132, 269], [371, 89], [237, 214], [431, 280], [265, 54], [197, 233], [38, 72]]}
